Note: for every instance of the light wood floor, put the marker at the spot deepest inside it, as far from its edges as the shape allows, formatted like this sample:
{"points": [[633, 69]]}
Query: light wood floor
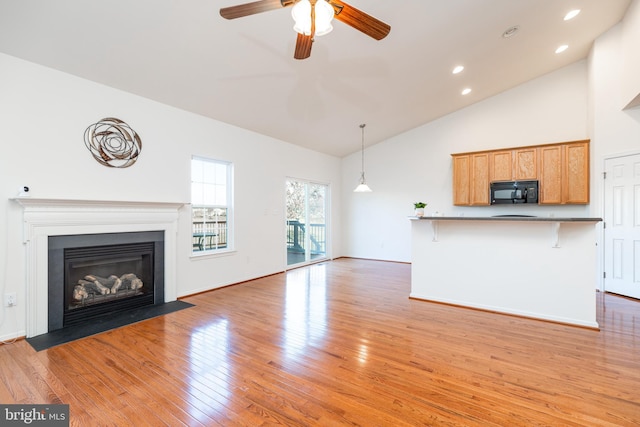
{"points": [[339, 343]]}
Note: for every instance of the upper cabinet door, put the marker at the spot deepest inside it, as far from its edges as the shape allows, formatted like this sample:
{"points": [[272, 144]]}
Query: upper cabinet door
{"points": [[501, 165], [461, 180], [550, 177], [525, 164], [576, 174], [479, 179]]}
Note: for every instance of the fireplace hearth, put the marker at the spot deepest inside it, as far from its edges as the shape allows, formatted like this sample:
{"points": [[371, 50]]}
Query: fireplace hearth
{"points": [[96, 275]]}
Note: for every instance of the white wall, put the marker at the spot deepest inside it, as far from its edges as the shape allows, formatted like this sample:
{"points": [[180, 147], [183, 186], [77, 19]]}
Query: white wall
{"points": [[416, 166], [614, 81], [43, 115], [631, 59], [614, 130]]}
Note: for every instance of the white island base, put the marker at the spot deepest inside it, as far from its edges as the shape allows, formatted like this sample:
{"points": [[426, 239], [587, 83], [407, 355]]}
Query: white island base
{"points": [[543, 268]]}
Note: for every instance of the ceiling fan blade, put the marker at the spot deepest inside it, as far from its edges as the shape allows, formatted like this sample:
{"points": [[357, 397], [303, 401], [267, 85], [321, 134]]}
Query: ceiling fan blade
{"points": [[303, 47], [359, 20], [238, 11]]}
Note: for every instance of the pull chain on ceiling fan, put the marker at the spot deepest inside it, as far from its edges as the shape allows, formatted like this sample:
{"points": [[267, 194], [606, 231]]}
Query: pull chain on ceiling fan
{"points": [[313, 18]]}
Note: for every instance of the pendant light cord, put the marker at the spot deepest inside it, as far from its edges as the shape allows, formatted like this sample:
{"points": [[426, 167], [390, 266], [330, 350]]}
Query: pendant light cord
{"points": [[362, 187], [362, 177]]}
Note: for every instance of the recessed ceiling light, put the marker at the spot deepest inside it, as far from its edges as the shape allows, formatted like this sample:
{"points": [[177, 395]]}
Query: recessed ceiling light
{"points": [[562, 48], [458, 69], [511, 31], [571, 14], [466, 91]]}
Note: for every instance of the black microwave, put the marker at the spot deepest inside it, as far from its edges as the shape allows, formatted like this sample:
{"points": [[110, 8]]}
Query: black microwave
{"points": [[513, 192]]}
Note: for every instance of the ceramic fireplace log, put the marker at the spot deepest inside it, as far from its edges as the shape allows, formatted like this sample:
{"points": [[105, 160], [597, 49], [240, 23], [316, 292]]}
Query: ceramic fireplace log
{"points": [[92, 285], [104, 284], [80, 292], [130, 281]]}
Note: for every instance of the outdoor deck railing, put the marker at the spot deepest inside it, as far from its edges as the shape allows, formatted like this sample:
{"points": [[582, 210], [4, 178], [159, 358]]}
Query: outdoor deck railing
{"points": [[296, 236], [208, 236], [214, 235]]}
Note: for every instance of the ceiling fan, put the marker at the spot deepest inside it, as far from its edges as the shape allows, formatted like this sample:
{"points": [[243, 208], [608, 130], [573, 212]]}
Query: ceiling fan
{"points": [[313, 19]]}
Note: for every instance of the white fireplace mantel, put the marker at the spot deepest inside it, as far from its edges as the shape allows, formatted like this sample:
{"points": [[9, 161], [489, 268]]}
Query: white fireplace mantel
{"points": [[58, 217]]}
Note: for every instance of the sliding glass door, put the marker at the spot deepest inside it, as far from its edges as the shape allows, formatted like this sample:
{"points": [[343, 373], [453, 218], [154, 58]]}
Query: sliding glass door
{"points": [[306, 221]]}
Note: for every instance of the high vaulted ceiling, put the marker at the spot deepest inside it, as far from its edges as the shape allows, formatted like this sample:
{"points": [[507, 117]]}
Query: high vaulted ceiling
{"points": [[242, 71]]}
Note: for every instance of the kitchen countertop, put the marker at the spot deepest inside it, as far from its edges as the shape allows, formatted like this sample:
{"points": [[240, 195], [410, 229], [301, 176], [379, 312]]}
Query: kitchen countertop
{"points": [[506, 218]]}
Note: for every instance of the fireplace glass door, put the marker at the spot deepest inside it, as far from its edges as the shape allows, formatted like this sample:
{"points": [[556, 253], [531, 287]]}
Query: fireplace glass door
{"points": [[93, 275], [117, 275]]}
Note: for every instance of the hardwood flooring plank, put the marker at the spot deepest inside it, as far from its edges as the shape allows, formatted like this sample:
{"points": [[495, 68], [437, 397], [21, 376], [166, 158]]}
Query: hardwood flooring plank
{"points": [[18, 386], [130, 391], [169, 389], [166, 372]]}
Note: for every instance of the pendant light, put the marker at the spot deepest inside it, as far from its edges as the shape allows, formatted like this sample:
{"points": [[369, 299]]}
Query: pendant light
{"points": [[362, 187]]}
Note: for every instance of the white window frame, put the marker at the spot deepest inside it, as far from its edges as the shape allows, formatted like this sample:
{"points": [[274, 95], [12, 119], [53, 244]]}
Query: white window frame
{"points": [[209, 239]]}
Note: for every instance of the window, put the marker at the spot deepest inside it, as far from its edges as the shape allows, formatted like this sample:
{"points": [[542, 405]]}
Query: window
{"points": [[211, 205]]}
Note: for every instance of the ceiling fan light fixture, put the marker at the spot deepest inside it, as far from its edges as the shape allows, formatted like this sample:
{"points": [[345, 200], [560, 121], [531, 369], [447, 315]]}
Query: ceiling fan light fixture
{"points": [[324, 15], [301, 13]]}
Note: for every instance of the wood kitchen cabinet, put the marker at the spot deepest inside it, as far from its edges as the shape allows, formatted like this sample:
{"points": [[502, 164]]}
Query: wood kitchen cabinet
{"points": [[461, 180], [513, 165], [471, 179], [576, 178], [525, 164], [550, 178], [501, 165], [564, 173], [479, 179]]}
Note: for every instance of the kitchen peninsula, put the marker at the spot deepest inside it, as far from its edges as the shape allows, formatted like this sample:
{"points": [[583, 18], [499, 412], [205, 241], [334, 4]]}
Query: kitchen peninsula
{"points": [[538, 267]]}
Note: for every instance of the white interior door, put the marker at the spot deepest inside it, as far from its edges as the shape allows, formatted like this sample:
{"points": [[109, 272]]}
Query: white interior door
{"points": [[622, 225]]}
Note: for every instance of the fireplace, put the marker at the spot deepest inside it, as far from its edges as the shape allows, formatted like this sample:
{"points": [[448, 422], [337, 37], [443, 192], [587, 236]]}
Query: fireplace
{"points": [[93, 275], [45, 218]]}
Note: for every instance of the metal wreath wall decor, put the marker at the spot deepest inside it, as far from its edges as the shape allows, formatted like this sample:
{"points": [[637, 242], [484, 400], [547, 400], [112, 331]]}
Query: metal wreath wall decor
{"points": [[113, 143]]}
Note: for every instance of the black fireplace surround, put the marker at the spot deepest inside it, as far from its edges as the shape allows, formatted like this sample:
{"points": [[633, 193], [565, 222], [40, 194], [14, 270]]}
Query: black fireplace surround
{"points": [[130, 265]]}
